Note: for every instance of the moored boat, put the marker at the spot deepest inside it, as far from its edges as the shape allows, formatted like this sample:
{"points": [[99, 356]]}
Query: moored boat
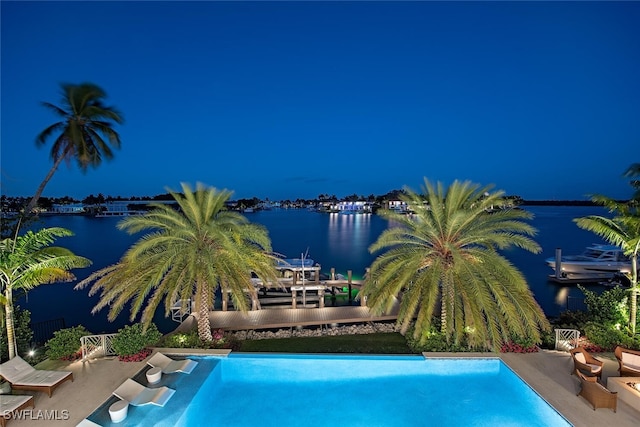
{"points": [[597, 262]]}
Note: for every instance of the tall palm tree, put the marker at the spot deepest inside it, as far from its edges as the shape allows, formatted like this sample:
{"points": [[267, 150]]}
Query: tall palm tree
{"points": [[188, 253], [28, 261], [446, 255], [84, 133], [622, 230]]}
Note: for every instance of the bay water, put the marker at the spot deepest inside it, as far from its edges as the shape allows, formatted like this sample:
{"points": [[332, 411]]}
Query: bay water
{"points": [[334, 240]]}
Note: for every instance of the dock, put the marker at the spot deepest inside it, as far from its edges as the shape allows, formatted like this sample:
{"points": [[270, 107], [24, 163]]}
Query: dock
{"points": [[290, 317], [296, 301], [571, 281]]}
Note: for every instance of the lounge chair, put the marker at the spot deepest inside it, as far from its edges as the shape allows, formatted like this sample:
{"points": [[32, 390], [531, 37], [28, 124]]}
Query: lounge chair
{"points": [[10, 404], [597, 394], [628, 362], [23, 376], [138, 395], [586, 363], [170, 366]]}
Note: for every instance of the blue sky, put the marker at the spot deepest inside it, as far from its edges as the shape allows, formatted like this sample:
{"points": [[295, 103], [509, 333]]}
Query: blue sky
{"points": [[295, 99]]}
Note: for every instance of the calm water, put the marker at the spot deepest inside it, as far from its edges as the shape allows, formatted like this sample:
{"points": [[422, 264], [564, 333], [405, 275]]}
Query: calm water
{"points": [[333, 240], [330, 390]]}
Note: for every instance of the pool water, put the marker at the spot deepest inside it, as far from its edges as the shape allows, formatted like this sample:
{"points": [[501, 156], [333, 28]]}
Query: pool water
{"points": [[346, 391]]}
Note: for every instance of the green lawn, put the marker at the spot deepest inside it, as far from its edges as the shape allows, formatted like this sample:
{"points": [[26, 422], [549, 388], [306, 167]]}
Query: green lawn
{"points": [[382, 343]]}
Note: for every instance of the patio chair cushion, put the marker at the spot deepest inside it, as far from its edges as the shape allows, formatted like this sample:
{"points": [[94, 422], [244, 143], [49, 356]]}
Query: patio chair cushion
{"points": [[23, 376], [19, 372], [631, 361], [14, 369], [12, 404], [580, 358]]}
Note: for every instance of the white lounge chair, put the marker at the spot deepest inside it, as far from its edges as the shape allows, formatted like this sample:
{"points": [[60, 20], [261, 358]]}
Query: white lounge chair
{"points": [[10, 404], [169, 366], [23, 376], [138, 395]]}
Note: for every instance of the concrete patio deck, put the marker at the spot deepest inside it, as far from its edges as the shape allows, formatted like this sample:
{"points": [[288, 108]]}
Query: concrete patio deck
{"points": [[547, 372]]}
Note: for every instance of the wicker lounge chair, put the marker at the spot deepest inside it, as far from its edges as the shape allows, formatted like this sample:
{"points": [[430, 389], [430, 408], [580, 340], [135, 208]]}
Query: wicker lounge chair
{"points": [[138, 395], [23, 376], [170, 366], [628, 362], [10, 404], [597, 394], [586, 363]]}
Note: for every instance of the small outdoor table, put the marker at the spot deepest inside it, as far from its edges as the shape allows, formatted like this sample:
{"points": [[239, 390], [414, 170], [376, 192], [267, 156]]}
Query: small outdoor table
{"points": [[118, 411], [154, 375]]}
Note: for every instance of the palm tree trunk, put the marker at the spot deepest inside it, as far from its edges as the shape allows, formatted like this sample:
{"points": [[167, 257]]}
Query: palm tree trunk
{"points": [[11, 335], [204, 327], [633, 311], [446, 309], [34, 200]]}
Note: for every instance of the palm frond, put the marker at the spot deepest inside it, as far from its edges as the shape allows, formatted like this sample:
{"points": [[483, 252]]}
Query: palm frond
{"points": [[447, 255], [185, 253]]}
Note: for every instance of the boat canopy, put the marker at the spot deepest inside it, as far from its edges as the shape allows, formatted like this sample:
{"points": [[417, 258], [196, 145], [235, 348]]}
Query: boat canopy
{"points": [[295, 263]]}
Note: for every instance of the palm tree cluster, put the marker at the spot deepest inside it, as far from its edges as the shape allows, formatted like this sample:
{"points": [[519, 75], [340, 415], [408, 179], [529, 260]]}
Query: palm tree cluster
{"points": [[447, 257], [445, 262]]}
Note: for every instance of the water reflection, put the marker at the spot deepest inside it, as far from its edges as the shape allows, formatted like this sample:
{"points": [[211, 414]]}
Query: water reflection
{"points": [[562, 295], [339, 241], [349, 237]]}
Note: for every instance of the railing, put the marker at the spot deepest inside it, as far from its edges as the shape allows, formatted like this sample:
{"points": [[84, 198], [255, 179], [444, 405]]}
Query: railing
{"points": [[94, 346], [567, 339], [181, 309], [43, 331], [576, 304]]}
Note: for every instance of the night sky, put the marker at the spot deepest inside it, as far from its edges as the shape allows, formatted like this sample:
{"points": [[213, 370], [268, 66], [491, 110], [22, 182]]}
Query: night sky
{"points": [[286, 100]]}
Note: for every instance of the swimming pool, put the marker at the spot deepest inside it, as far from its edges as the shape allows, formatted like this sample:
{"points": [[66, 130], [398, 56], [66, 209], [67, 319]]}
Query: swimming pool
{"points": [[349, 391]]}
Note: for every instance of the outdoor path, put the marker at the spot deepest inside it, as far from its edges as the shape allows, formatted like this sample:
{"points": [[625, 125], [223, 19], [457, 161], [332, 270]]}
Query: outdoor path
{"points": [[71, 402], [548, 372]]}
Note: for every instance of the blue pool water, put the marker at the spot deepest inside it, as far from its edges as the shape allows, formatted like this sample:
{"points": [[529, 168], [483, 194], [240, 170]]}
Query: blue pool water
{"points": [[347, 391]]}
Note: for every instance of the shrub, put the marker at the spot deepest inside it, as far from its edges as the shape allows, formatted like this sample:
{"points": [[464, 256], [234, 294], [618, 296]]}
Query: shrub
{"points": [[138, 357], [435, 341], [571, 320], [610, 307], [512, 347], [23, 332], [632, 342], [604, 336], [65, 343], [192, 340], [132, 339], [548, 339], [519, 345], [182, 340]]}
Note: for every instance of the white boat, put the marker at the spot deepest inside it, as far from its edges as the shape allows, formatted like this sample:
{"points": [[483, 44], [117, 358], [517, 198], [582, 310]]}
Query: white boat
{"points": [[295, 263], [597, 262], [299, 267]]}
